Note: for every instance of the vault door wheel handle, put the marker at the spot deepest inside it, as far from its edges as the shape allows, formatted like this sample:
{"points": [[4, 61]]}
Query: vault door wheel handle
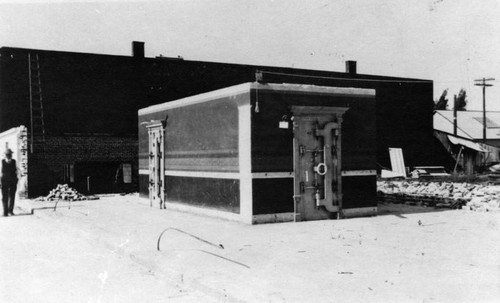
{"points": [[321, 169]]}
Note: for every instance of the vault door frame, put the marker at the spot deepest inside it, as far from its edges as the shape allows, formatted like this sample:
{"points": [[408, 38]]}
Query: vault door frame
{"points": [[156, 142], [321, 125]]}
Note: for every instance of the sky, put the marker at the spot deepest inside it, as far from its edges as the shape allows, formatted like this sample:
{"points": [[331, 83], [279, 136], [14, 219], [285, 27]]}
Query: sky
{"points": [[451, 42]]}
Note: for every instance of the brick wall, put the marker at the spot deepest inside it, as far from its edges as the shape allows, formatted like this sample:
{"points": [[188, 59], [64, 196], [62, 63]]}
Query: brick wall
{"points": [[48, 160]]}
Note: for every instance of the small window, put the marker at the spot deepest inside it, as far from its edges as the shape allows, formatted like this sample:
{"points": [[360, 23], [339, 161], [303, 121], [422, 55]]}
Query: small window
{"points": [[127, 173]]}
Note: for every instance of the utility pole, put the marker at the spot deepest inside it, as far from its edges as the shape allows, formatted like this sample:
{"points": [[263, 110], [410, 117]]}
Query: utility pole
{"points": [[482, 82], [455, 122]]}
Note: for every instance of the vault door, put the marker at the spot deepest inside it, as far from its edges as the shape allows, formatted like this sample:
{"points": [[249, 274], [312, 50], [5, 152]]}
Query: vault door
{"points": [[317, 162], [156, 164]]}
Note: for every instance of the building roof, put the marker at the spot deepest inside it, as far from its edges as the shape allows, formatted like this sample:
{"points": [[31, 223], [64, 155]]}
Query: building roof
{"points": [[284, 71], [245, 87], [469, 124], [467, 143]]}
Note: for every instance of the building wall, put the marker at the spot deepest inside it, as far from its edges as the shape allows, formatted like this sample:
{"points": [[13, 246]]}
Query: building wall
{"points": [[82, 93], [14, 90], [90, 113], [493, 155], [49, 164], [272, 147], [201, 138]]}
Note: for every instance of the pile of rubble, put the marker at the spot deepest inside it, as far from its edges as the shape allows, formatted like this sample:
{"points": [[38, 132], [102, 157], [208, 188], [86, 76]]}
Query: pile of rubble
{"points": [[477, 197], [64, 192]]}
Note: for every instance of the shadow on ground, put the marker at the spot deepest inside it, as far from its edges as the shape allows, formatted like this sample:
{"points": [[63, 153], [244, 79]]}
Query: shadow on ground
{"points": [[399, 210]]}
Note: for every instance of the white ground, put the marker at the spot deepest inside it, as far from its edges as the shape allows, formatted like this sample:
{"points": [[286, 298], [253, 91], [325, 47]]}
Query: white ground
{"points": [[105, 251], [49, 259]]}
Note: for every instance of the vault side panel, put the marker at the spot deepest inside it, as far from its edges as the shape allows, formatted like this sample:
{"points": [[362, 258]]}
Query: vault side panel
{"points": [[272, 196], [359, 191], [202, 137], [222, 194], [272, 147], [207, 130], [198, 137]]}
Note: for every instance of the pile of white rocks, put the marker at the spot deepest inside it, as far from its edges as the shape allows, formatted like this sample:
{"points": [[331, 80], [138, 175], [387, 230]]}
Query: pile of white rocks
{"points": [[64, 192], [478, 197], [484, 203]]}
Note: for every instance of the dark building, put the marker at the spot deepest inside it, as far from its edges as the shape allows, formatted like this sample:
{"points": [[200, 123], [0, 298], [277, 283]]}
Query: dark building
{"points": [[80, 114], [80, 110]]}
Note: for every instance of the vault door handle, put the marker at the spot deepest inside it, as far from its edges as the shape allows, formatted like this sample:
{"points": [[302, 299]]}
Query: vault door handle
{"points": [[321, 169]]}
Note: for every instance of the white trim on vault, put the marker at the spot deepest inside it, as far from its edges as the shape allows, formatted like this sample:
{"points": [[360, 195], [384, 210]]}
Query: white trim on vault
{"points": [[246, 87]]}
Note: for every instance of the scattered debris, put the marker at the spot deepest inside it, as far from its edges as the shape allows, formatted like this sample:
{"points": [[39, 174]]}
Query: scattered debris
{"points": [[387, 174], [220, 246], [64, 192], [477, 197], [429, 171], [430, 224], [495, 169], [227, 259]]}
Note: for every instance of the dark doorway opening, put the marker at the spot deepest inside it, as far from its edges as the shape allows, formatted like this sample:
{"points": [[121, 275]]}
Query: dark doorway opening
{"points": [[103, 177]]}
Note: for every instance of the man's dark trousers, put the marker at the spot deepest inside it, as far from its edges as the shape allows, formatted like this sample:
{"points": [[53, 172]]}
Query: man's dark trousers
{"points": [[8, 196]]}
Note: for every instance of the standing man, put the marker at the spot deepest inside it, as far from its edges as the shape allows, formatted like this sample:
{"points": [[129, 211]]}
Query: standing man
{"points": [[9, 183]]}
